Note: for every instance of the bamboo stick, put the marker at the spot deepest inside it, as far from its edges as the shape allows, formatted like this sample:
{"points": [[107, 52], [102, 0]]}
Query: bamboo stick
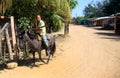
{"points": [[8, 44]]}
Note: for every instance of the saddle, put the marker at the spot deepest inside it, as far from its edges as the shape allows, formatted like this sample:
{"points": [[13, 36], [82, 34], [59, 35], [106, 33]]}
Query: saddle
{"points": [[40, 38]]}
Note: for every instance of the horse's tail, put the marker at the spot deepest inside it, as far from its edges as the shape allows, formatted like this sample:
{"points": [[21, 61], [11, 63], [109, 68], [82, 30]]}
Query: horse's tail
{"points": [[53, 49]]}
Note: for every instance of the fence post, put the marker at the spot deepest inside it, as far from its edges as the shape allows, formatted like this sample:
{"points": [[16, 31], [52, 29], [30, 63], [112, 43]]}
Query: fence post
{"points": [[8, 44], [0, 45], [13, 32]]}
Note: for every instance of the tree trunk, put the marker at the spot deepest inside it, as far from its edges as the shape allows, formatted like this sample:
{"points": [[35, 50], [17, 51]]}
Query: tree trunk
{"points": [[66, 28], [8, 44]]}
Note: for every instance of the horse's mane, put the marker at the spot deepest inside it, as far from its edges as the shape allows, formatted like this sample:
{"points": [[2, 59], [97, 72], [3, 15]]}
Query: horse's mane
{"points": [[32, 35]]}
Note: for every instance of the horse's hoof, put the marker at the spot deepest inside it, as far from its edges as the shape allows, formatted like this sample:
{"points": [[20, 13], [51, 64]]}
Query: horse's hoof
{"points": [[41, 60], [33, 64], [38, 60]]}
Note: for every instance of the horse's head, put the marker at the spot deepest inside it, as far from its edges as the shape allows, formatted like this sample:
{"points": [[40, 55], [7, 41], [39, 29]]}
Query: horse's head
{"points": [[20, 36], [20, 40], [25, 35], [29, 39]]}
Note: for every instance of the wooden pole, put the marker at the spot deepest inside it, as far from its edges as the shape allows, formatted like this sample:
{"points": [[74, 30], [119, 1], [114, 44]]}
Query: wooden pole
{"points": [[13, 32], [4, 27], [0, 45], [8, 44]]}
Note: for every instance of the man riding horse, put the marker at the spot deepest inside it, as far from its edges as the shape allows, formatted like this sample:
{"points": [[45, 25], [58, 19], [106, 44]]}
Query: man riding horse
{"points": [[40, 30]]}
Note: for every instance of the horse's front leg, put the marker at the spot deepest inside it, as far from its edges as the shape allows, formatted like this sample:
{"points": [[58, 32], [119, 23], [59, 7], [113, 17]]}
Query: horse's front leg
{"points": [[39, 53], [33, 57]]}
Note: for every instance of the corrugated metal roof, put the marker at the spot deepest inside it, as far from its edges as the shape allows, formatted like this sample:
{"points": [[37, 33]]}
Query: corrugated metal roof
{"points": [[107, 17]]}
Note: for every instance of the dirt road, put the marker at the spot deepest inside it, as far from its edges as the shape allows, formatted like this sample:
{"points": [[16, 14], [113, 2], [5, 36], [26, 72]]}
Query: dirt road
{"points": [[86, 53]]}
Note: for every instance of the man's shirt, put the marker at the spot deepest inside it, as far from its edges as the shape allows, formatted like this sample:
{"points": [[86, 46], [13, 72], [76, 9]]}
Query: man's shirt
{"points": [[41, 25]]}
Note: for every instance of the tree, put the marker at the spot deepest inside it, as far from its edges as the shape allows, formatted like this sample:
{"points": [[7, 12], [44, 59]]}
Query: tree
{"points": [[105, 8], [77, 19], [4, 5], [72, 3], [111, 7], [89, 11], [22, 8], [53, 12], [93, 10]]}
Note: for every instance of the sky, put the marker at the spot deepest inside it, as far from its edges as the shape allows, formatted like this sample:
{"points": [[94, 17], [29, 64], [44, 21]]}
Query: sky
{"points": [[78, 11]]}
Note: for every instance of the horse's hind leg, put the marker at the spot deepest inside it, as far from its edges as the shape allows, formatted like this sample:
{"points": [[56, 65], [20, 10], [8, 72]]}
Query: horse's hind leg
{"points": [[39, 52], [47, 50], [48, 59]]}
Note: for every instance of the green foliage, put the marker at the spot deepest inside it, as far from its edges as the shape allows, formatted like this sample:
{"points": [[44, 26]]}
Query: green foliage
{"points": [[23, 8], [53, 12], [72, 3], [45, 8], [111, 7], [60, 7], [5, 4], [23, 23], [93, 10], [2, 61], [77, 19], [57, 23], [105, 8], [23, 11]]}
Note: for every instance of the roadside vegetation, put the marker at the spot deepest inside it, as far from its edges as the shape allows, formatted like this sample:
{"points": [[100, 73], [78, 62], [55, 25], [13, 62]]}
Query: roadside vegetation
{"points": [[55, 13]]}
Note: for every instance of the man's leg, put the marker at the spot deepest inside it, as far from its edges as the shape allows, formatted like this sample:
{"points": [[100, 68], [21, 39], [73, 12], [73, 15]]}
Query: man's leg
{"points": [[44, 38]]}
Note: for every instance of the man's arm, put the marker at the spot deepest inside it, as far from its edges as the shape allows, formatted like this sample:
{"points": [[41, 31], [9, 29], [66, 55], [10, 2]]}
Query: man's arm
{"points": [[36, 29], [40, 27]]}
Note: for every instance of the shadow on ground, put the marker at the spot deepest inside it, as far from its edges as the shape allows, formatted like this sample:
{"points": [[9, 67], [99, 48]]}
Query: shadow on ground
{"points": [[109, 35], [103, 28], [28, 63]]}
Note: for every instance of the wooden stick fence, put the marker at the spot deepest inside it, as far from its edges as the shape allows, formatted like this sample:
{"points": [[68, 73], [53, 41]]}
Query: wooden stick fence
{"points": [[7, 34]]}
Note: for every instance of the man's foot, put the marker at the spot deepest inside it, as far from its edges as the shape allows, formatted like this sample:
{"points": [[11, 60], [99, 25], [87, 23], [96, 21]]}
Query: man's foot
{"points": [[47, 53]]}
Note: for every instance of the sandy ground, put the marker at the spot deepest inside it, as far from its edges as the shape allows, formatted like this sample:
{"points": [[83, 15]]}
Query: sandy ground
{"points": [[85, 53]]}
